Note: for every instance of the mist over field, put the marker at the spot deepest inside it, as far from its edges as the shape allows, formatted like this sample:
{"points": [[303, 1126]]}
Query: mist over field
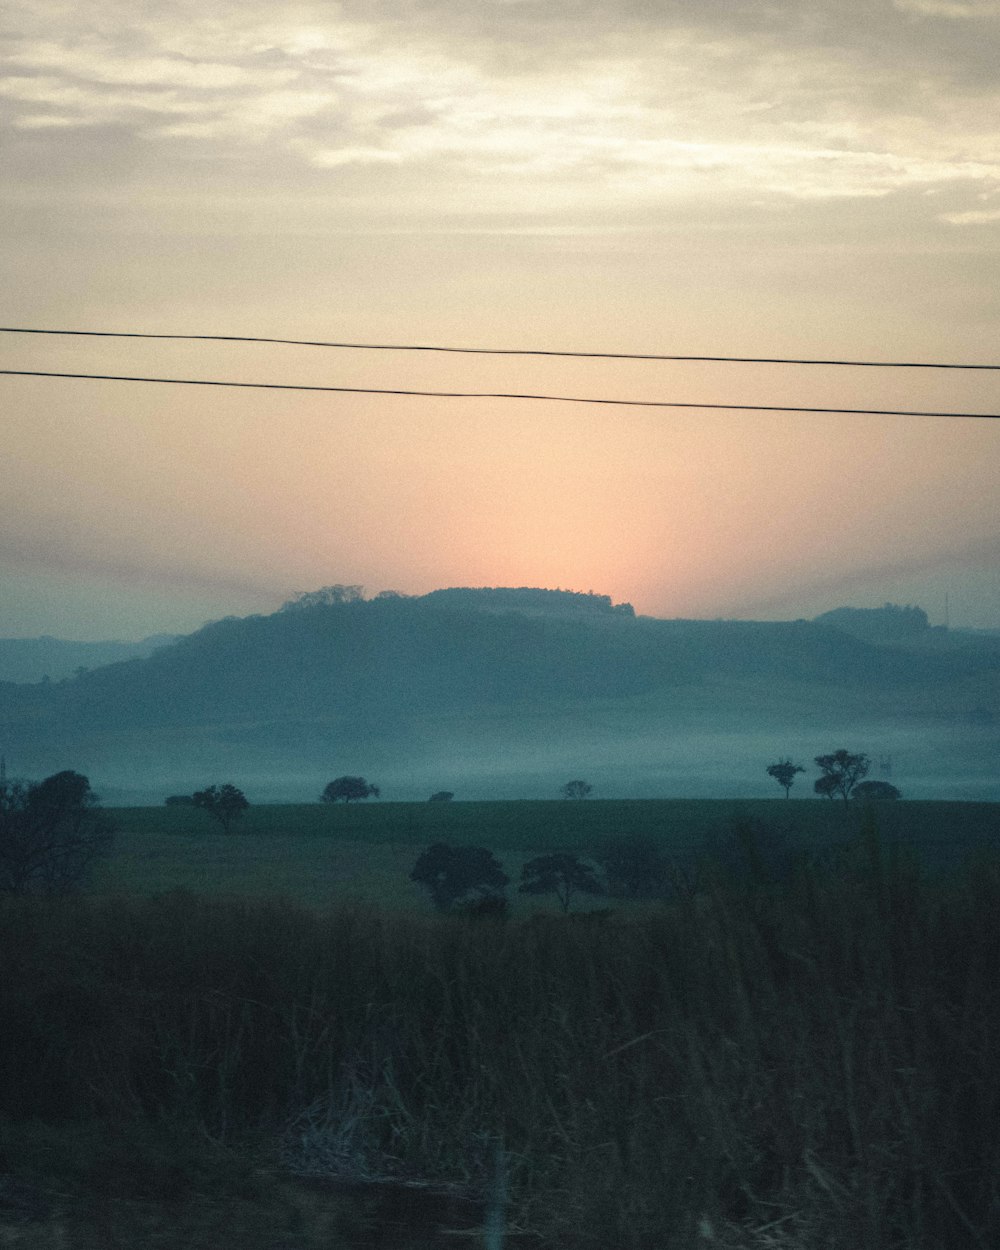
{"points": [[509, 694]]}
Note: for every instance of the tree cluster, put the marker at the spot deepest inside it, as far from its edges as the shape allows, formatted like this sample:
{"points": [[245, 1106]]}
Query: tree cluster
{"points": [[842, 774], [324, 597], [470, 880]]}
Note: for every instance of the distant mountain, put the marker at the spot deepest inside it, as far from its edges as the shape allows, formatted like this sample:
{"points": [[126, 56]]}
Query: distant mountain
{"points": [[494, 683], [448, 649], [35, 659]]}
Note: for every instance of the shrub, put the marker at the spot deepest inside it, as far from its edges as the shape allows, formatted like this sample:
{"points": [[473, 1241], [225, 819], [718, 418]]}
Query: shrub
{"points": [[876, 791], [576, 789]]}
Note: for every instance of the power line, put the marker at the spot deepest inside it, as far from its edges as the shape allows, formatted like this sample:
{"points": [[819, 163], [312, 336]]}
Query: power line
{"points": [[502, 351], [560, 399]]}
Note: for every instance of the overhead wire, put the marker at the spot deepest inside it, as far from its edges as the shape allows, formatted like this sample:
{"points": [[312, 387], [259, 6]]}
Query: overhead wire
{"points": [[505, 351], [563, 399]]}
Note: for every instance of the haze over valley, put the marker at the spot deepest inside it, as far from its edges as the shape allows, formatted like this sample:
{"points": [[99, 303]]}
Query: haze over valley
{"points": [[509, 693]]}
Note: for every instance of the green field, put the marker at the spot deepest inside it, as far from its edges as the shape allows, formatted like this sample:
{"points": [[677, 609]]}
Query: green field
{"points": [[320, 853]]}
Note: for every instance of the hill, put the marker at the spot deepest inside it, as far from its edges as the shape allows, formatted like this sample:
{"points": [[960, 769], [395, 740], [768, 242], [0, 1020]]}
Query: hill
{"points": [[35, 659], [502, 691], [890, 623]]}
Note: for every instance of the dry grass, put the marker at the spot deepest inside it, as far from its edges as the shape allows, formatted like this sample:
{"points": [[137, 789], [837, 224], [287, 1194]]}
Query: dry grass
{"points": [[811, 1063]]}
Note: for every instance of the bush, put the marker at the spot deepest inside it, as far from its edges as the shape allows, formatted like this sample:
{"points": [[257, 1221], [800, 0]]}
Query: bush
{"points": [[576, 789], [876, 792]]}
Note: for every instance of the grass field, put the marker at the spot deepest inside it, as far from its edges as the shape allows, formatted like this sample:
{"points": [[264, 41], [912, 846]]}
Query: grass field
{"points": [[253, 1062], [320, 853], [807, 1066]]}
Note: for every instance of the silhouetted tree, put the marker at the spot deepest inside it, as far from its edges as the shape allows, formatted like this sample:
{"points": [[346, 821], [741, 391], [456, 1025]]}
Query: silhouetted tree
{"points": [[324, 597], [450, 873], [841, 773], [634, 867], [348, 788], [442, 796], [876, 791], [223, 803], [562, 874], [784, 773], [51, 833], [577, 789], [826, 786]]}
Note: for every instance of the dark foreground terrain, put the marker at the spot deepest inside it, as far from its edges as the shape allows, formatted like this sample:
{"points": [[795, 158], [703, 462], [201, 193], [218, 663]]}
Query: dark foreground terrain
{"points": [[801, 1058]]}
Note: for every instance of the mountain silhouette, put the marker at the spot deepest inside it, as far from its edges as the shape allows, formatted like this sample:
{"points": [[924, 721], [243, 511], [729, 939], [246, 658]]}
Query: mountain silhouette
{"points": [[386, 677]]}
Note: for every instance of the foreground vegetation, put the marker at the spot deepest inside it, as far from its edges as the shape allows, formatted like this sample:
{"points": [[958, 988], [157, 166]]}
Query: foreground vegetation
{"points": [[809, 1063]]}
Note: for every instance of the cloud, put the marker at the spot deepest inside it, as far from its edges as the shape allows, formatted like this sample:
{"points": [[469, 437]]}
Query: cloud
{"points": [[661, 106], [101, 64], [974, 217], [957, 10]]}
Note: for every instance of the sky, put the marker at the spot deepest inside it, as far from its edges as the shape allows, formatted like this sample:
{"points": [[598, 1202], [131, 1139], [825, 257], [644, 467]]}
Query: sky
{"points": [[755, 179]]}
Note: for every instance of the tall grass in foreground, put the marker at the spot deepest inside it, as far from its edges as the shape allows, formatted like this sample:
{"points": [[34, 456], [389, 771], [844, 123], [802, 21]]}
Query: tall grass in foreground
{"points": [[810, 1064]]}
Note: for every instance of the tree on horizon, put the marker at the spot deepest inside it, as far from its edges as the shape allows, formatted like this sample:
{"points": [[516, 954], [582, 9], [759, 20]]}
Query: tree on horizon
{"points": [[348, 788], [224, 804], [784, 772], [841, 771]]}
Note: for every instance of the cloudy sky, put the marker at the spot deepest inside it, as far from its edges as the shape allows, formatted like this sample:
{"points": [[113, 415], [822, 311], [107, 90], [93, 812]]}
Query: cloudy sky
{"points": [[754, 179]]}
